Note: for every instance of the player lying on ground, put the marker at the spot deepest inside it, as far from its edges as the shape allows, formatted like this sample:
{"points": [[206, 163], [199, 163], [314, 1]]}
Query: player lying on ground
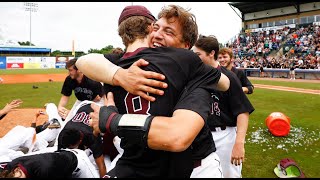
{"points": [[65, 163]]}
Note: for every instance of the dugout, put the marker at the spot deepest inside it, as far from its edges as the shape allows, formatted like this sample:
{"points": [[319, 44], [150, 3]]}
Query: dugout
{"points": [[24, 51]]}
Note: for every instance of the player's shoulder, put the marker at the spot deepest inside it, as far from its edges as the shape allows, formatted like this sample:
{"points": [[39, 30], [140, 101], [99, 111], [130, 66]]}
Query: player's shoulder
{"points": [[113, 57], [231, 75], [170, 51], [68, 79], [237, 70]]}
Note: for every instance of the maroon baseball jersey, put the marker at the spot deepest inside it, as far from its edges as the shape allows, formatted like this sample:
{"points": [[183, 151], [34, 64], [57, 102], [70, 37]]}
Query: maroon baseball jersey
{"points": [[185, 73]]}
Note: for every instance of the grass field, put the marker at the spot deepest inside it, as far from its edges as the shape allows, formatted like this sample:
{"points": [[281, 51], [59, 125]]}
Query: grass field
{"points": [[263, 151], [288, 84], [32, 71]]}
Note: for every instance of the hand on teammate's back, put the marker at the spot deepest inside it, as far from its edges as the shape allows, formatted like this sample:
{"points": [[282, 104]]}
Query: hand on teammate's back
{"points": [[140, 82]]}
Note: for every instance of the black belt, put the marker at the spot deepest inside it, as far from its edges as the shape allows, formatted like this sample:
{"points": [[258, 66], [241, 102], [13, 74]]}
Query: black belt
{"points": [[221, 127]]}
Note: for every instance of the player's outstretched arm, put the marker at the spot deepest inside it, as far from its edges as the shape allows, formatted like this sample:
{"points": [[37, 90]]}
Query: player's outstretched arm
{"points": [[9, 106], [134, 80]]}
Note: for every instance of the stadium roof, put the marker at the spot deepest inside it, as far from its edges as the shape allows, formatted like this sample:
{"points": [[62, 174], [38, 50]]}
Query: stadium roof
{"points": [[249, 7]]}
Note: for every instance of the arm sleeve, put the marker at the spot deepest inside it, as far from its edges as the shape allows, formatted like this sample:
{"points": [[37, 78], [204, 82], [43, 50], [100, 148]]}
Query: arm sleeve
{"points": [[238, 100], [97, 88], [245, 82], [2, 116], [198, 101], [96, 147], [66, 87]]}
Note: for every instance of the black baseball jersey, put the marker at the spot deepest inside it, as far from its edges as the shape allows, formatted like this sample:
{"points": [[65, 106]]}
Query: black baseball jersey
{"points": [[243, 78], [88, 89], [56, 164], [80, 121], [203, 144], [185, 72], [226, 106]]}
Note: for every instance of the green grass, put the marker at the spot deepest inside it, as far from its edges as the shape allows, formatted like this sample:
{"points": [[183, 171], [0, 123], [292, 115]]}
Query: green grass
{"points": [[33, 98], [302, 144], [304, 85], [32, 71], [261, 156]]}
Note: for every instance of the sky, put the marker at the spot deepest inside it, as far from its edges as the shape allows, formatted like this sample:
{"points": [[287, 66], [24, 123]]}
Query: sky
{"points": [[94, 24]]}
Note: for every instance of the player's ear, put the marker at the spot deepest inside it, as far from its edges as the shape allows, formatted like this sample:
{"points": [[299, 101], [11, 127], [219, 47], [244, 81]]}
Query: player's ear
{"points": [[212, 53]]}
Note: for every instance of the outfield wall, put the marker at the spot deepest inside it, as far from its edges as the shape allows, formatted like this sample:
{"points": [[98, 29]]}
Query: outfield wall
{"points": [[313, 74], [15, 62], [22, 62]]}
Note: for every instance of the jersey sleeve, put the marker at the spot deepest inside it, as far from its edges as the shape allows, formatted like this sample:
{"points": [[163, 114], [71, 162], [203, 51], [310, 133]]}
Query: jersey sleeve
{"points": [[245, 82], [97, 88], [198, 100], [67, 87], [238, 101], [190, 67], [96, 147]]}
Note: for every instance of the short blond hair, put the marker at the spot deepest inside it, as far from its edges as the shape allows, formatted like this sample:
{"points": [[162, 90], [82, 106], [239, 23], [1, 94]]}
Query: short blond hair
{"points": [[226, 51]]}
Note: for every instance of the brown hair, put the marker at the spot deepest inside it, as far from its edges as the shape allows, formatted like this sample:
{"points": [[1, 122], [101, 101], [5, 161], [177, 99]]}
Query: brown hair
{"points": [[208, 44], [117, 51], [186, 20], [71, 62], [7, 174], [226, 51], [133, 28]]}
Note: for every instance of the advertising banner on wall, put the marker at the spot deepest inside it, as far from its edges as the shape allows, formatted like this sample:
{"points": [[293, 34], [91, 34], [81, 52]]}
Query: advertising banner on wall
{"points": [[48, 62], [61, 61], [13, 59], [3, 62], [31, 62], [40, 63], [31, 66], [14, 65]]}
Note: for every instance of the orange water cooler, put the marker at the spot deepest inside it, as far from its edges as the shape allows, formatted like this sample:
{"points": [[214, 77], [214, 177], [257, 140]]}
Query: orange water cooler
{"points": [[278, 124]]}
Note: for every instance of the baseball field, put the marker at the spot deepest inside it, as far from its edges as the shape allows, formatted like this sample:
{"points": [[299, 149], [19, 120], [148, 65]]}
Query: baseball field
{"points": [[299, 100]]}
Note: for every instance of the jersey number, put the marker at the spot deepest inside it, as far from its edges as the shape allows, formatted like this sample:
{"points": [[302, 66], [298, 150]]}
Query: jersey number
{"points": [[136, 105], [81, 117]]}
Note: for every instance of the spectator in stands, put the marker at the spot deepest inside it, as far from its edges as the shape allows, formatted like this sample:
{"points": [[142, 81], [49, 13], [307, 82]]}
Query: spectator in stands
{"points": [[13, 104]]}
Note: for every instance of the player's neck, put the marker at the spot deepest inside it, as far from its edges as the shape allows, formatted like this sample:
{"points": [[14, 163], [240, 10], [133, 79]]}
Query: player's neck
{"points": [[79, 78], [229, 67], [215, 63], [138, 43]]}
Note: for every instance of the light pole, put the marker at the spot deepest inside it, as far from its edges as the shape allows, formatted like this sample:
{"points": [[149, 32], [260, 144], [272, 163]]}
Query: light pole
{"points": [[31, 7]]}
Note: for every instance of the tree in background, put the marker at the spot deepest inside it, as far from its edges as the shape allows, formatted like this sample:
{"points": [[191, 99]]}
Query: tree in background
{"points": [[104, 50], [27, 43]]}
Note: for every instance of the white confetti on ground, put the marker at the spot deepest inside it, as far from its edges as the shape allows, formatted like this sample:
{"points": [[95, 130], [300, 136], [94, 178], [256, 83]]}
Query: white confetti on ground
{"points": [[297, 137]]}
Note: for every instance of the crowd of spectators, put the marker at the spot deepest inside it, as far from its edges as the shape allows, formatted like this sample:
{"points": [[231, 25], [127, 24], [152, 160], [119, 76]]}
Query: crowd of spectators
{"points": [[253, 49]]}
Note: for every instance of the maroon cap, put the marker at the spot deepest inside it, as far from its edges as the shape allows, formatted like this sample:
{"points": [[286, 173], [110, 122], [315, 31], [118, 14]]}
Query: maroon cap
{"points": [[135, 10]]}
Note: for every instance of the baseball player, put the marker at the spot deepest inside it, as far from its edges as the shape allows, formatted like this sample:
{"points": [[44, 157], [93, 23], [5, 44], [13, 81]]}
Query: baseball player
{"points": [[83, 87], [225, 57], [77, 133], [65, 163], [229, 112], [132, 158], [32, 138]]}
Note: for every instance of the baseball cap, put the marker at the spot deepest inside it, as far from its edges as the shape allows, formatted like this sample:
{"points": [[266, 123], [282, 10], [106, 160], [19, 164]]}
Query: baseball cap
{"points": [[135, 10]]}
